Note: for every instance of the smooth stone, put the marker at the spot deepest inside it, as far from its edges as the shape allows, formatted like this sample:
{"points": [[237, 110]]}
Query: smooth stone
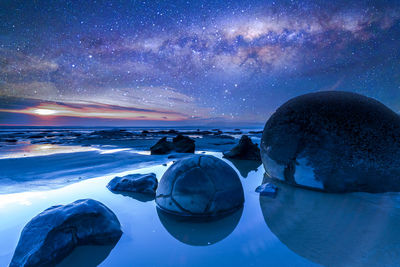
{"points": [[54, 233], [267, 189], [334, 142], [135, 183], [200, 186]]}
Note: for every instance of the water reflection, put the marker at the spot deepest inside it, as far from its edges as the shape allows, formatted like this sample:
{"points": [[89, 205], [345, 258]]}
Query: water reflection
{"points": [[86, 256], [199, 233], [245, 166], [358, 229], [138, 196]]}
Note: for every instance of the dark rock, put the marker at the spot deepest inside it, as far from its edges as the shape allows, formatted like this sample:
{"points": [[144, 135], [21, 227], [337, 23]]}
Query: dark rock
{"points": [[54, 233], [35, 136], [112, 134], [183, 144], [161, 147], [246, 149], [180, 144], [268, 189], [137, 183], [11, 140], [255, 132], [200, 186], [335, 142]]}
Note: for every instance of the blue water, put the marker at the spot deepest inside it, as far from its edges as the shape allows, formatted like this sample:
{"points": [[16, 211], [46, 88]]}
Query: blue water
{"points": [[297, 228]]}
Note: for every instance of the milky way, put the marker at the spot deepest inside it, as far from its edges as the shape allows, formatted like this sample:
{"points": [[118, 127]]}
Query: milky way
{"points": [[192, 62]]}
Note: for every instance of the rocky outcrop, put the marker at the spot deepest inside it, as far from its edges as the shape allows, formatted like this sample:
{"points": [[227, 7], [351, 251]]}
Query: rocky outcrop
{"points": [[54, 233], [179, 144], [245, 150], [183, 144]]}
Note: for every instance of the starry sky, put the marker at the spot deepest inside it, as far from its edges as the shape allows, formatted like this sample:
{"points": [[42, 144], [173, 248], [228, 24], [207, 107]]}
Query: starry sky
{"points": [[193, 62]]}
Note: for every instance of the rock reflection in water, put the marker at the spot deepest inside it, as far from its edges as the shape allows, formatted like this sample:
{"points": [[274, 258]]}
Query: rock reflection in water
{"points": [[358, 229], [86, 256], [198, 232], [245, 166]]}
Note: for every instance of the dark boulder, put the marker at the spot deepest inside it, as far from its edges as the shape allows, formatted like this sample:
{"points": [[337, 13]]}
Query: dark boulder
{"points": [[179, 144], [246, 149], [163, 146], [54, 233], [135, 183], [183, 144], [335, 142]]}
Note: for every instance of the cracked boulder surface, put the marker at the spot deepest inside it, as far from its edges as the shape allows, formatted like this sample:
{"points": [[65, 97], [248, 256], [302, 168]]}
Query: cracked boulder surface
{"points": [[54, 233], [200, 186], [335, 142]]}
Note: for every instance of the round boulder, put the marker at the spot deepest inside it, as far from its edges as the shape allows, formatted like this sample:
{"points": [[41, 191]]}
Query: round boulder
{"points": [[334, 142], [200, 186]]}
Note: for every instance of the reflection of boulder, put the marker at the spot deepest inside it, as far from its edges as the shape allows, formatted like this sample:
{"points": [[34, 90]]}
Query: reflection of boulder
{"points": [[336, 230], [334, 141], [246, 149], [53, 234], [198, 232], [245, 166], [86, 256]]}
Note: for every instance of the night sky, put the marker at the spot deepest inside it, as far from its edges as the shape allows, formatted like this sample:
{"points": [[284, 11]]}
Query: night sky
{"points": [[189, 62]]}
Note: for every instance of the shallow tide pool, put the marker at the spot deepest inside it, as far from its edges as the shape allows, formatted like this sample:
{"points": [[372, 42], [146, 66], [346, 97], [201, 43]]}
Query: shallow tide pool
{"points": [[297, 228]]}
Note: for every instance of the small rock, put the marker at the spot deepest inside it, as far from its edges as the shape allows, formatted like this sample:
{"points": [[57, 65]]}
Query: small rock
{"points": [[56, 232], [246, 149], [267, 189], [136, 183]]}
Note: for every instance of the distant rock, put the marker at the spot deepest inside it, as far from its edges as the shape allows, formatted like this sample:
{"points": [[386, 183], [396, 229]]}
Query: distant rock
{"points": [[179, 144], [246, 149], [135, 183], [112, 134], [183, 144], [54, 233], [163, 146], [255, 132], [267, 189]]}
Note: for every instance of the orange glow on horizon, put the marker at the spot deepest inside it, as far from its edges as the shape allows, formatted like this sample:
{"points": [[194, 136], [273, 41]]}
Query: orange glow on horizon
{"points": [[54, 110]]}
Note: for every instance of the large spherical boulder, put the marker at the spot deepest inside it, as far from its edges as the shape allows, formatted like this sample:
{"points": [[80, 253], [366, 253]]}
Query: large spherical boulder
{"points": [[335, 142], [199, 186]]}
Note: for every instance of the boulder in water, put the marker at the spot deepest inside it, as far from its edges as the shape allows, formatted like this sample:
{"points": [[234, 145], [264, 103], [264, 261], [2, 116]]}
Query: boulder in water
{"points": [[135, 183], [335, 142], [54, 233]]}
